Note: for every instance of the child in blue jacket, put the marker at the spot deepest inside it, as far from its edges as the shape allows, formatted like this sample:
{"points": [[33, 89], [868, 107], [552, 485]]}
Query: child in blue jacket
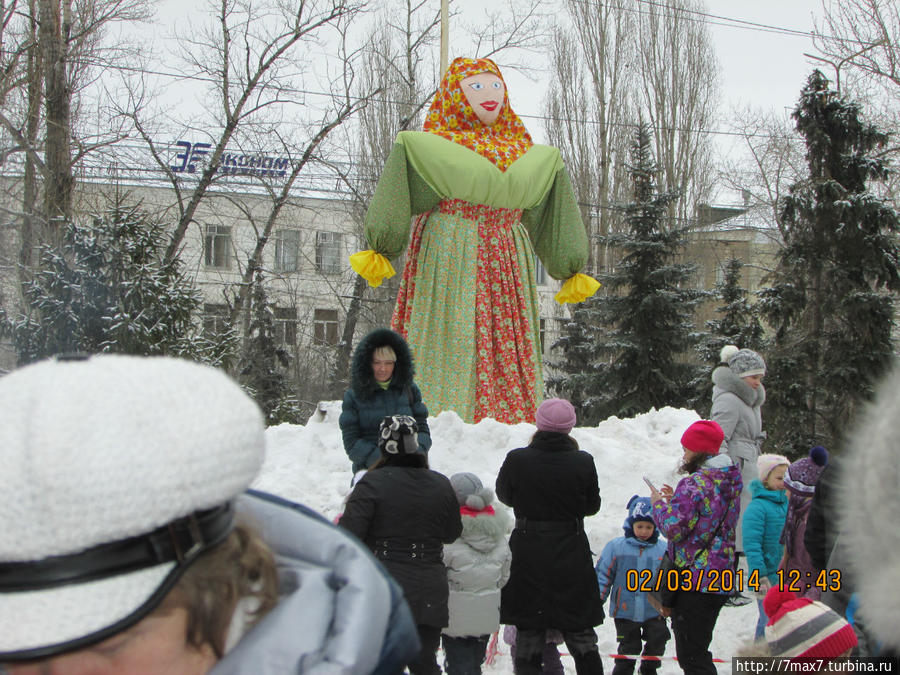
{"points": [[641, 550], [762, 526]]}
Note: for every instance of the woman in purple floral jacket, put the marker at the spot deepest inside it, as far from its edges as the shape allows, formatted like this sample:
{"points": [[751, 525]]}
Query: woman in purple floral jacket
{"points": [[699, 518]]}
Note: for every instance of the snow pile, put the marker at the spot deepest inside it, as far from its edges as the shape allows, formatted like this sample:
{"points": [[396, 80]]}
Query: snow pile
{"points": [[307, 464]]}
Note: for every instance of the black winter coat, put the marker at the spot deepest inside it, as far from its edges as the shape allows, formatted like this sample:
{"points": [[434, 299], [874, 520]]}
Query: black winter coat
{"points": [[552, 582], [405, 515], [366, 403]]}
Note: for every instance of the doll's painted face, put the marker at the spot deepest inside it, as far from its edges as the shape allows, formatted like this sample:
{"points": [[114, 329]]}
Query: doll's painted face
{"points": [[484, 92]]}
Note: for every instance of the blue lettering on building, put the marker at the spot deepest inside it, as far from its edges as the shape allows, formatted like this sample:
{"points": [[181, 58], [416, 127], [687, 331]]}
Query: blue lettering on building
{"points": [[191, 155]]}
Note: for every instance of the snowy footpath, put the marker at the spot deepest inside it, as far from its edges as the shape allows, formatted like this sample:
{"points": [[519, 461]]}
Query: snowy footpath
{"points": [[307, 464]]}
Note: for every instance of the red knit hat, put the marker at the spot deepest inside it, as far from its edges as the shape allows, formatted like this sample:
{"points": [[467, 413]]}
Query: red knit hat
{"points": [[804, 627], [703, 436]]}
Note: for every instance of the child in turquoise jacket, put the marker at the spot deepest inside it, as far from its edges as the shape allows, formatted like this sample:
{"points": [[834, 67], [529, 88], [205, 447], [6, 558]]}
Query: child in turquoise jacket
{"points": [[762, 525], [640, 552]]}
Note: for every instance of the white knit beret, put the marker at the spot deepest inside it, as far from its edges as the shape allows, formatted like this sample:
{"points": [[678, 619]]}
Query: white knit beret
{"points": [[96, 451]]}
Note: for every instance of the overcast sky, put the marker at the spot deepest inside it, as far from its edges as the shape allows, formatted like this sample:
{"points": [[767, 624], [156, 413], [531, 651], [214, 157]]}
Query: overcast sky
{"points": [[762, 67]]}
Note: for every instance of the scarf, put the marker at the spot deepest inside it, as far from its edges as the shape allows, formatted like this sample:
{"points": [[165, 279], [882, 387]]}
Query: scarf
{"points": [[451, 117]]}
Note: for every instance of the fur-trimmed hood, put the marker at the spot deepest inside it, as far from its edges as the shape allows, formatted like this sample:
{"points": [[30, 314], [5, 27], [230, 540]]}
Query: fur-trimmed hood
{"points": [[362, 380], [724, 380], [485, 530], [870, 509]]}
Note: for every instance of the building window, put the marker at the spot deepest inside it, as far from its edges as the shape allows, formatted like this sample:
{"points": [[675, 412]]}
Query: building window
{"points": [[217, 246], [543, 333], [720, 275], [325, 327], [287, 247], [540, 274], [328, 252], [215, 320], [286, 325]]}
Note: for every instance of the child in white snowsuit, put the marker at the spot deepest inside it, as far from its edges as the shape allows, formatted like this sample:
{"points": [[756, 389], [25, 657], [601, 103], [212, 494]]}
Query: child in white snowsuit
{"points": [[627, 562], [477, 568]]}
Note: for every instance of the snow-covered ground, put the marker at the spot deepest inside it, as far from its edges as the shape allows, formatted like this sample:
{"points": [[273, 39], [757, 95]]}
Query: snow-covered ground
{"points": [[307, 464]]}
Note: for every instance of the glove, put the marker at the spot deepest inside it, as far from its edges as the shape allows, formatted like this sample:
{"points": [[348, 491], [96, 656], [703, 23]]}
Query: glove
{"points": [[764, 586]]}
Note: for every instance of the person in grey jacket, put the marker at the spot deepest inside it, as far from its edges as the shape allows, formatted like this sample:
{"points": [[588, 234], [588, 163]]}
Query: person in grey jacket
{"points": [[130, 544], [737, 400]]}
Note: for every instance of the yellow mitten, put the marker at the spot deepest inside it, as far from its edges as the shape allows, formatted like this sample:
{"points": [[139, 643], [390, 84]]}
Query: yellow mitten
{"points": [[577, 288], [371, 266]]}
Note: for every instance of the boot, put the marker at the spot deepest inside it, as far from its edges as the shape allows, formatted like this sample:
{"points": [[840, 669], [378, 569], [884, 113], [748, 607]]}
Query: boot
{"points": [[588, 663]]}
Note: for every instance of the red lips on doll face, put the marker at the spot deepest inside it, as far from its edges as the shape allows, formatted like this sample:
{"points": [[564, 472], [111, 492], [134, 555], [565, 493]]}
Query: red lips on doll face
{"points": [[485, 93]]}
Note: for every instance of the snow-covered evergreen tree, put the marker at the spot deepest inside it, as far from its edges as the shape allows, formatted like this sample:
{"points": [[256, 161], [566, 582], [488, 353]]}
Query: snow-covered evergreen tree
{"points": [[830, 304], [107, 289], [737, 324], [631, 344], [263, 361], [574, 372]]}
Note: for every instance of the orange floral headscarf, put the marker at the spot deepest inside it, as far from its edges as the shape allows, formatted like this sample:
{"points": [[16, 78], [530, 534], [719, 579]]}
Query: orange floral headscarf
{"points": [[451, 116]]}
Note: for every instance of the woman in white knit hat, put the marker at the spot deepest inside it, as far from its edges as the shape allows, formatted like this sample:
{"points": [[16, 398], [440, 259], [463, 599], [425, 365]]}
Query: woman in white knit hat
{"points": [[130, 545]]}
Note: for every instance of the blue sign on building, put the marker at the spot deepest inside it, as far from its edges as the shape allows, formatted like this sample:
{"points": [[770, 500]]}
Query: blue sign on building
{"points": [[231, 164]]}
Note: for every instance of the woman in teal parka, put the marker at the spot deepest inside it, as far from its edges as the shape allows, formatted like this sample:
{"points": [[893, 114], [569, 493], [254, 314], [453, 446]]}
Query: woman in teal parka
{"points": [[762, 525], [381, 385]]}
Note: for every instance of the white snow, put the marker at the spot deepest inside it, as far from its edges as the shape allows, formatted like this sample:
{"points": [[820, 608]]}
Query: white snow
{"points": [[307, 464]]}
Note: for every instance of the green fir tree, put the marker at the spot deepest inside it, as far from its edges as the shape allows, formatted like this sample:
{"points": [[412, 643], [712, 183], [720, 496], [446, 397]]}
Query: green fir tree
{"points": [[630, 345], [108, 289], [263, 361], [737, 324], [830, 303]]}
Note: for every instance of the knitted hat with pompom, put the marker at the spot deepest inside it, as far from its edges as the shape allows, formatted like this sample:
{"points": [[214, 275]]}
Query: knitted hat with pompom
{"points": [[804, 628], [803, 474], [743, 362], [470, 492]]}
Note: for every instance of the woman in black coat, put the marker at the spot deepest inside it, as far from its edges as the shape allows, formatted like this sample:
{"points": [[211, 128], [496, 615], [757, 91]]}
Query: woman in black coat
{"points": [[381, 384], [551, 486], [405, 513]]}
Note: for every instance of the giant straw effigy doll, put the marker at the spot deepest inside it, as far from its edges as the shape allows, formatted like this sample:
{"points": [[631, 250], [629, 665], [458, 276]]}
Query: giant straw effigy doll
{"points": [[481, 199]]}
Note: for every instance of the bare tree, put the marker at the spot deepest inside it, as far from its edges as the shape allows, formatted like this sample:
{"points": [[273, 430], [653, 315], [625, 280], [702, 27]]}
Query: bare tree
{"points": [[679, 93], [590, 108], [768, 158], [52, 52], [860, 39], [250, 54], [861, 35]]}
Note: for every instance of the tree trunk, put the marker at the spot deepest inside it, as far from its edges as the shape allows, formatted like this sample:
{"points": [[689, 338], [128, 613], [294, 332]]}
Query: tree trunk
{"points": [[54, 29], [340, 375], [34, 99]]}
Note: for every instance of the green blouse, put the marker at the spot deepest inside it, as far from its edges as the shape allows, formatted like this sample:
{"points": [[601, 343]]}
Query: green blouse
{"points": [[424, 168]]}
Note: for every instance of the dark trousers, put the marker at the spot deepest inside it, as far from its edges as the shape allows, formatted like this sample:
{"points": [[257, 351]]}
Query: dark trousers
{"points": [[426, 662], [651, 635], [582, 646], [464, 655], [693, 620]]}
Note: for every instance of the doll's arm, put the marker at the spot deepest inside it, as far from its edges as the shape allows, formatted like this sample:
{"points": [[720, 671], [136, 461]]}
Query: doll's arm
{"points": [[560, 239]]}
